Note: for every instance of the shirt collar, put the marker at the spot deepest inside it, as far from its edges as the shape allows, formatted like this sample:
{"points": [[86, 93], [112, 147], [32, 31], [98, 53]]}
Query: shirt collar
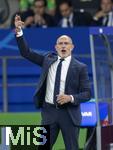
{"points": [[67, 59], [71, 16]]}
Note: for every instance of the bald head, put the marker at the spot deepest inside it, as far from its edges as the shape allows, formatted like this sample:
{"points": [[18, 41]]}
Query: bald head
{"points": [[64, 46], [66, 37]]}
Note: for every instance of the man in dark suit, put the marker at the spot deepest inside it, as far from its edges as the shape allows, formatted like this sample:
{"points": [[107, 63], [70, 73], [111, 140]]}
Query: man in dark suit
{"points": [[62, 86], [104, 17], [41, 18], [37, 16], [70, 17]]}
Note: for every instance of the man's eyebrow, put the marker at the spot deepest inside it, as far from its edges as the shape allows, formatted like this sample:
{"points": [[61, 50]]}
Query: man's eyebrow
{"points": [[64, 42]]}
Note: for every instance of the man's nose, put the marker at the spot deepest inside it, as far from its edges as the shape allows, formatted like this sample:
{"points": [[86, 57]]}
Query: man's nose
{"points": [[63, 45]]}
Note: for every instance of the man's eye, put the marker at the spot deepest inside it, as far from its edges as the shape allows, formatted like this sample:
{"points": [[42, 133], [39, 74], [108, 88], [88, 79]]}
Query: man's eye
{"points": [[61, 43], [66, 43]]}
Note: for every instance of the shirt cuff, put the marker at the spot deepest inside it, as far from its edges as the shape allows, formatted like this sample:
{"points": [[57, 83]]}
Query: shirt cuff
{"points": [[72, 99], [20, 33], [95, 18]]}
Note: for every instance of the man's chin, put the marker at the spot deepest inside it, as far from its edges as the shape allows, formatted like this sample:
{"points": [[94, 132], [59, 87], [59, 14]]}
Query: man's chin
{"points": [[64, 56]]}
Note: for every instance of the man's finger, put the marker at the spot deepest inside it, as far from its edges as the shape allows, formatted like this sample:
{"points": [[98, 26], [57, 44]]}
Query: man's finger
{"points": [[19, 24], [17, 17], [61, 102], [60, 98], [22, 23]]}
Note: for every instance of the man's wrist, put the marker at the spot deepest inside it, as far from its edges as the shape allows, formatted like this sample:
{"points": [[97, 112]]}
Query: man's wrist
{"points": [[72, 99], [19, 33]]}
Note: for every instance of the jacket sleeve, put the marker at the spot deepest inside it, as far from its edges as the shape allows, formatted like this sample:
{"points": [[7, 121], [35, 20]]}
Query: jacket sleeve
{"points": [[29, 54], [84, 87]]}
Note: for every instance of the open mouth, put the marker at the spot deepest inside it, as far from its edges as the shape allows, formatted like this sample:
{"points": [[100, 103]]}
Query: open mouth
{"points": [[63, 50]]}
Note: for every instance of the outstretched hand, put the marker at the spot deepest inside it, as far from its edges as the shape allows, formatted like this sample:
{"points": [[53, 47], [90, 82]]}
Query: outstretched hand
{"points": [[18, 23]]}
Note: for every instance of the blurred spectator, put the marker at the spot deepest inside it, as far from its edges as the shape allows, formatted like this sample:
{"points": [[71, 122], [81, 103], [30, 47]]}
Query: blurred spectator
{"points": [[41, 18], [35, 17], [104, 17], [25, 12], [71, 18]]}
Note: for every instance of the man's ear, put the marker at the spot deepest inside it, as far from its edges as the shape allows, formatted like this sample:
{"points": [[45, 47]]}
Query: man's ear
{"points": [[56, 47], [72, 47]]}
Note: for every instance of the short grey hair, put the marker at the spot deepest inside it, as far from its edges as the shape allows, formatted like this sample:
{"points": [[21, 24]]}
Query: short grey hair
{"points": [[64, 36]]}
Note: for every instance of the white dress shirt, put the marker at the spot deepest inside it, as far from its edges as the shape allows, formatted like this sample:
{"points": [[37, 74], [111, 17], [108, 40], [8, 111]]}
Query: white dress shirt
{"points": [[110, 19], [51, 78], [64, 21]]}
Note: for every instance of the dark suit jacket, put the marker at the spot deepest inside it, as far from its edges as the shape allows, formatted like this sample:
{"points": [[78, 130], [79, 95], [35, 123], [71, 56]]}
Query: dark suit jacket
{"points": [[77, 81]]}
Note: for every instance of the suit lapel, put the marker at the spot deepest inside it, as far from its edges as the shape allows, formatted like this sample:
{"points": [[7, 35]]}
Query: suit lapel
{"points": [[72, 67], [51, 61], [48, 64]]}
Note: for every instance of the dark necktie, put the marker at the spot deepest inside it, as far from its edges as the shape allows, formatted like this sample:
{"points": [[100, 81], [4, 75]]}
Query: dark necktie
{"points": [[57, 80], [107, 19], [68, 23]]}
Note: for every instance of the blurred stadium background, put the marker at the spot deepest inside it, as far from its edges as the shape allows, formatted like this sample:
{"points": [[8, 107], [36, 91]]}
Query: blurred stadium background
{"points": [[19, 77]]}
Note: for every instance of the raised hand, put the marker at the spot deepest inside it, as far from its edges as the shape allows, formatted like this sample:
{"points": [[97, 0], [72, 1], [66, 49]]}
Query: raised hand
{"points": [[100, 14], [18, 23]]}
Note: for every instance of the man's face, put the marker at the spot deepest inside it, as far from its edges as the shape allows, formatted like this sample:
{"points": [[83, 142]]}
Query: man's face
{"points": [[106, 5], [64, 46], [65, 10], [39, 7]]}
